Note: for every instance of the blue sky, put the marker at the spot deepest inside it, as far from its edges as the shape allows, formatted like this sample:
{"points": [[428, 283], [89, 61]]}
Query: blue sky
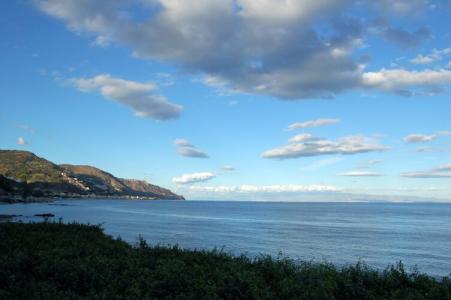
{"points": [[199, 97]]}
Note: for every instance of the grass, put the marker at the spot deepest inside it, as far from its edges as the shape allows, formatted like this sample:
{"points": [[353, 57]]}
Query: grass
{"points": [[74, 261]]}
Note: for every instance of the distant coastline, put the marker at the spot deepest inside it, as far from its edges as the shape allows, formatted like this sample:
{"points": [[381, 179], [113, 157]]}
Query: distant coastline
{"points": [[25, 177], [32, 199]]}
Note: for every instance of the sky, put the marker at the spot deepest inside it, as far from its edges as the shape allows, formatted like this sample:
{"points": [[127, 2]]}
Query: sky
{"points": [[236, 99]]}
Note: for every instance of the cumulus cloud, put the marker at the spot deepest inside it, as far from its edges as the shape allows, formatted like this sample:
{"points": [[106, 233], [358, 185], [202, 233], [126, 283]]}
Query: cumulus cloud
{"points": [[361, 174], [421, 138], [185, 148], [434, 56], [193, 178], [266, 56], [402, 81], [312, 123], [267, 47], [140, 97], [277, 188], [441, 171], [346, 145], [21, 141]]}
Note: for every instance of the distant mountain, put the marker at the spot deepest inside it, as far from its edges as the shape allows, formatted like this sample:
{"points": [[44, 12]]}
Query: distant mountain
{"points": [[25, 175]]}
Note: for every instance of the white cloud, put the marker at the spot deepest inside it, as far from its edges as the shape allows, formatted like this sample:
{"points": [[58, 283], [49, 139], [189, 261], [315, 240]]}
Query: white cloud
{"points": [[422, 59], [417, 138], [141, 97], [361, 174], [193, 178], [185, 148], [421, 138], [374, 161], [228, 168], [191, 152], [345, 145], [21, 141], [441, 171], [266, 57], [303, 137], [277, 48], [425, 174], [403, 81], [313, 123], [444, 167], [434, 56], [433, 149], [182, 142], [277, 188], [278, 12]]}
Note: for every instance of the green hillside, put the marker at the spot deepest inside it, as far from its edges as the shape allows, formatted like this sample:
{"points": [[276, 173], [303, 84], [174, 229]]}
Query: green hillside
{"points": [[23, 174], [29, 168]]}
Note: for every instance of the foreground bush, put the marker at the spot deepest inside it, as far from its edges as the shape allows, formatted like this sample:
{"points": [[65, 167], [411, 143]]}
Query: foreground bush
{"points": [[57, 261]]}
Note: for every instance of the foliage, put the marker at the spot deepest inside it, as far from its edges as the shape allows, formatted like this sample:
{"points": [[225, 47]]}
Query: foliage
{"points": [[74, 261], [27, 167], [24, 174]]}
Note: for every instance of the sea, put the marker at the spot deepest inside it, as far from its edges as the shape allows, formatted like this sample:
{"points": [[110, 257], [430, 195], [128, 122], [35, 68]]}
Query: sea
{"points": [[378, 234]]}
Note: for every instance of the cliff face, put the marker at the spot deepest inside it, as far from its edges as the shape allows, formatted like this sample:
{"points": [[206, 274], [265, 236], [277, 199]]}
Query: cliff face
{"points": [[24, 174]]}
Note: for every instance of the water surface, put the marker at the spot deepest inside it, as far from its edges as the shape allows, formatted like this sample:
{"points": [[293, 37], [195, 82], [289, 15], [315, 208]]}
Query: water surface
{"points": [[341, 233]]}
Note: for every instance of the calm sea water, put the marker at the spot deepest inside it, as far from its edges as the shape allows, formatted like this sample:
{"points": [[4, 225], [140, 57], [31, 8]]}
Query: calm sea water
{"points": [[341, 233]]}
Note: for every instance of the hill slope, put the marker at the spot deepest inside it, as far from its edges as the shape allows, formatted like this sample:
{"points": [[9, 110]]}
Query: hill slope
{"points": [[27, 167], [24, 174]]}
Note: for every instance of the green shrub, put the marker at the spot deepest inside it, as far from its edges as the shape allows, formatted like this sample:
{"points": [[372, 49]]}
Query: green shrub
{"points": [[74, 261]]}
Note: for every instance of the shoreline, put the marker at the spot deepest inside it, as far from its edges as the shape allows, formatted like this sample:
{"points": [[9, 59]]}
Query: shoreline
{"points": [[32, 199], [103, 265]]}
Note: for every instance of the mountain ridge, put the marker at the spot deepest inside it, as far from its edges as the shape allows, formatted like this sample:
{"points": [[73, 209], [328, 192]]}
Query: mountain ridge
{"points": [[24, 175]]}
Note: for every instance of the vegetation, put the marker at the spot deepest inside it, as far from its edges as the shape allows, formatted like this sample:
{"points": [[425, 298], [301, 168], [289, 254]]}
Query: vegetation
{"points": [[27, 167], [58, 261], [24, 174]]}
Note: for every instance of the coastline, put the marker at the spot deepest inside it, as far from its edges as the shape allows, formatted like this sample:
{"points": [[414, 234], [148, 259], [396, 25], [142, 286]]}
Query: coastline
{"points": [[96, 265], [33, 199]]}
